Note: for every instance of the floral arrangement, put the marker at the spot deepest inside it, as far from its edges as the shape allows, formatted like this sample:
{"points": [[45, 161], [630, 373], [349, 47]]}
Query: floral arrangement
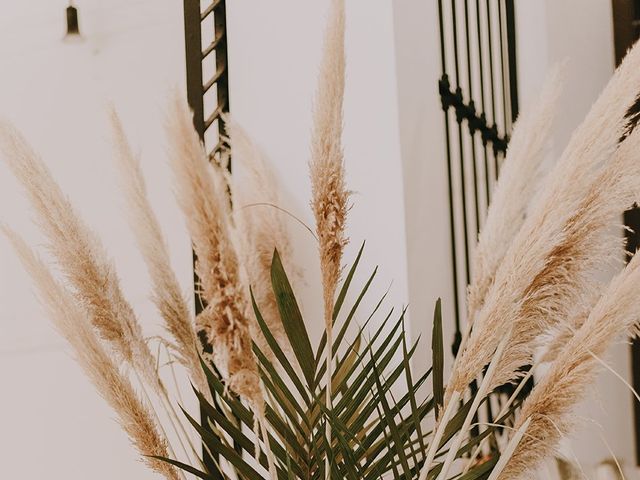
{"points": [[274, 406]]}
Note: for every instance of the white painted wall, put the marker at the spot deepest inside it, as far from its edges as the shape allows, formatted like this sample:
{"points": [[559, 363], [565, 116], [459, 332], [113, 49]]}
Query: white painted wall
{"points": [[53, 424], [274, 52]]}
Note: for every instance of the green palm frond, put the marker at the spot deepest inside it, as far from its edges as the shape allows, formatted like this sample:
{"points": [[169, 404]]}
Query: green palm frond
{"points": [[376, 431]]}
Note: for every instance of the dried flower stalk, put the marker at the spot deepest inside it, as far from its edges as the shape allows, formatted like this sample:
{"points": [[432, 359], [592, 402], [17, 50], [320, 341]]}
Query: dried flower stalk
{"points": [[516, 186], [261, 229], [549, 266], [167, 295], [98, 365], [329, 194], [202, 192], [81, 257], [574, 370]]}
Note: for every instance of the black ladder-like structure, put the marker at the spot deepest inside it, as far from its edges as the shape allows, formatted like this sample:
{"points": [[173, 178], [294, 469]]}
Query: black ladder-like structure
{"points": [[206, 56]]}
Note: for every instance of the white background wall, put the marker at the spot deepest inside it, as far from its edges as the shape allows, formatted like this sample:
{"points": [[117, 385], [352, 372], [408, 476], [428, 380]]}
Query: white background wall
{"points": [[53, 424]]}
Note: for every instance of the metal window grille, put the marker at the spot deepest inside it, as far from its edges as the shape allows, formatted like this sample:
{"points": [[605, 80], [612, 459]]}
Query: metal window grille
{"points": [[479, 95]]}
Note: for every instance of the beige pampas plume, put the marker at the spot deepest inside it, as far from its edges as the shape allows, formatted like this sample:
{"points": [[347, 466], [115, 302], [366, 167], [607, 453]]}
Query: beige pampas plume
{"points": [[202, 192], [81, 257], [261, 228], [167, 295], [573, 372], [516, 186], [329, 195], [550, 264], [115, 388]]}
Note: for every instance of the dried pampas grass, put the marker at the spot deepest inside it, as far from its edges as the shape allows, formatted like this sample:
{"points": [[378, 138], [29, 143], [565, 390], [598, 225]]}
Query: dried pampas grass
{"points": [[70, 320], [516, 187], [329, 195], [202, 192], [550, 264], [550, 404], [167, 295], [81, 257], [261, 229]]}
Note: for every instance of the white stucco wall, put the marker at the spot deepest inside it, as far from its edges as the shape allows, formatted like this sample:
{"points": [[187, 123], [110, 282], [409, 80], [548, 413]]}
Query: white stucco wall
{"points": [[54, 425]]}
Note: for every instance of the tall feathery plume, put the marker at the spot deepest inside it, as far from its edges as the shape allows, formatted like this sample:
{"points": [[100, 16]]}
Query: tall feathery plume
{"points": [[573, 372], [516, 186], [81, 257], [261, 228], [202, 193], [329, 195], [115, 388], [167, 295], [549, 265]]}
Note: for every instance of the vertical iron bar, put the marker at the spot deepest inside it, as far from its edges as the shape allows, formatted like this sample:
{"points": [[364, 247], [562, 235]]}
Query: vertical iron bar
{"points": [[483, 104], [193, 53], [472, 132], [463, 185], [452, 225], [491, 79], [513, 66], [505, 101], [222, 85]]}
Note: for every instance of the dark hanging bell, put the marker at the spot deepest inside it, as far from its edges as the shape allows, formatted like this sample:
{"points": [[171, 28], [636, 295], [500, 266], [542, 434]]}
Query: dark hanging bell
{"points": [[73, 29]]}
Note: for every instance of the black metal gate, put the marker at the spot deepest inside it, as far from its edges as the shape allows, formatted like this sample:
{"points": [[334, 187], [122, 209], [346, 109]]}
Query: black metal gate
{"points": [[479, 95]]}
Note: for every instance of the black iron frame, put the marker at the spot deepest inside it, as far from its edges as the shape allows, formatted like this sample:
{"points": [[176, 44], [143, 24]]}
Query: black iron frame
{"points": [[197, 88]]}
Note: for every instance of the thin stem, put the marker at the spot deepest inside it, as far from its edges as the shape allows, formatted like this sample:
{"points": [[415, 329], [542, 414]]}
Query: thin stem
{"points": [[433, 448], [158, 422], [503, 412], [508, 453], [482, 392], [329, 330]]}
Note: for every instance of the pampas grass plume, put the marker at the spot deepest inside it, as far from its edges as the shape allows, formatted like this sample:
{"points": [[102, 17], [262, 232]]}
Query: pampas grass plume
{"points": [[551, 262], [167, 295], [81, 257], [133, 415]]}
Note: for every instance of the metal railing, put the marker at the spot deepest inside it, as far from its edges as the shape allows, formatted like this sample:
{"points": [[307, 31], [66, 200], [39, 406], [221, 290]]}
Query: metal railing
{"points": [[479, 97]]}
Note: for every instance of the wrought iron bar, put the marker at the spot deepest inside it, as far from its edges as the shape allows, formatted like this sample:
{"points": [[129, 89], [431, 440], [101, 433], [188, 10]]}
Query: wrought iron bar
{"points": [[196, 89]]}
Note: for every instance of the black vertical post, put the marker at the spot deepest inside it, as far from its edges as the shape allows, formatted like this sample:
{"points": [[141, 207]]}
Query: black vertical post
{"points": [[193, 54], [196, 89], [512, 60]]}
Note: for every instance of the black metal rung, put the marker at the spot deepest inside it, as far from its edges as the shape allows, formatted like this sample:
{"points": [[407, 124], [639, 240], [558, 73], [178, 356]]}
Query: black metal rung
{"points": [[212, 46], [210, 9], [219, 72], [215, 115], [464, 111]]}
